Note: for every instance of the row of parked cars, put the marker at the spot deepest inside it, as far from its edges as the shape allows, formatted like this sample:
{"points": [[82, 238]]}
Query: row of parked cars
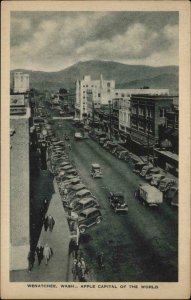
{"points": [[158, 179], [82, 207], [116, 148]]}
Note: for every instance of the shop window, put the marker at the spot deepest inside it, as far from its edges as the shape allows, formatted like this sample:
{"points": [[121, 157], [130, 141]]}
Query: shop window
{"points": [[141, 111], [108, 84], [162, 113]]}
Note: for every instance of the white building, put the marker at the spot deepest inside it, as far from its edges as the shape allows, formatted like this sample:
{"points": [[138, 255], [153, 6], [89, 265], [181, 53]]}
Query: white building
{"points": [[20, 82], [124, 96], [101, 92]]}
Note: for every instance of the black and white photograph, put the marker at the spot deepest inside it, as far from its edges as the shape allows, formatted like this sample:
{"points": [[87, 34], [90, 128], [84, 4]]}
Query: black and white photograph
{"points": [[94, 145]]}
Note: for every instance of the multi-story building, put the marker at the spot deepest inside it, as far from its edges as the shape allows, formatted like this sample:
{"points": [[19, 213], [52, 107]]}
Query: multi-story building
{"points": [[148, 112], [19, 182], [102, 92], [125, 105], [20, 82]]}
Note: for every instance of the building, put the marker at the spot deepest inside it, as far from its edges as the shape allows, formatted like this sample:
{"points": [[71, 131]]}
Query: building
{"points": [[19, 182], [20, 82], [102, 92], [148, 112], [125, 105]]}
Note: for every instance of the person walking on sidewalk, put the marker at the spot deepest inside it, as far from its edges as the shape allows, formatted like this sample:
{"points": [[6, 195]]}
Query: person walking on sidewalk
{"points": [[100, 260], [39, 252], [47, 253], [31, 260], [74, 269], [51, 222], [83, 268]]}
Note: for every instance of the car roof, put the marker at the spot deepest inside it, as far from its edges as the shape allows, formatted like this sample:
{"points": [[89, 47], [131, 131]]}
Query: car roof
{"points": [[80, 193], [86, 200], [89, 210], [95, 165], [117, 194], [75, 179], [166, 179], [77, 186]]}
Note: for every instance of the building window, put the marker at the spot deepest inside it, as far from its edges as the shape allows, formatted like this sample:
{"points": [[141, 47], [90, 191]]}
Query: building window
{"points": [[84, 97], [141, 111], [108, 84], [149, 112], [99, 95], [116, 94], [162, 113], [134, 110], [122, 95], [134, 123], [141, 126], [108, 90]]}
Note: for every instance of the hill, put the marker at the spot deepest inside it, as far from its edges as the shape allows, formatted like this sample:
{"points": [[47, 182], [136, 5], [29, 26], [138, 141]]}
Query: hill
{"points": [[124, 75]]}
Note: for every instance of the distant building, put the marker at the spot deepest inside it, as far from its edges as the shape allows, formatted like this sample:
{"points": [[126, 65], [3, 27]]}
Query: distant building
{"points": [[148, 112], [102, 92], [20, 82], [19, 182]]}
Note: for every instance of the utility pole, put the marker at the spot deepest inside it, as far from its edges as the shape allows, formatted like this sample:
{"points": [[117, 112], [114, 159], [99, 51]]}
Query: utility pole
{"points": [[93, 114], [110, 118], [148, 127]]}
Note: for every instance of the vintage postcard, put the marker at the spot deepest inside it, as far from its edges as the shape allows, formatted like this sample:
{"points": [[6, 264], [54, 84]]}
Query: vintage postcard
{"points": [[95, 150]]}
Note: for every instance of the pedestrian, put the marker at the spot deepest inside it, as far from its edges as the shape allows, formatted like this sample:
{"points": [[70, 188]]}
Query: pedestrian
{"points": [[47, 253], [74, 269], [72, 247], [83, 267], [51, 222], [45, 205], [31, 260], [100, 260], [79, 270], [69, 147], [39, 252], [46, 223]]}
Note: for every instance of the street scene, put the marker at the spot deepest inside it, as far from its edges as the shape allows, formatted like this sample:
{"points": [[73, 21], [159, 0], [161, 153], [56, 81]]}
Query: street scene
{"points": [[95, 196]]}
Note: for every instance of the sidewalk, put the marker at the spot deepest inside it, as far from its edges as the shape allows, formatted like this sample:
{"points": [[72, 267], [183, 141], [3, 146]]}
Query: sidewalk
{"points": [[59, 266]]}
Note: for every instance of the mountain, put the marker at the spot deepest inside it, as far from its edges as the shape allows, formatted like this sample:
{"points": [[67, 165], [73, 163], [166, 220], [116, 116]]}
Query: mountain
{"points": [[124, 75]]}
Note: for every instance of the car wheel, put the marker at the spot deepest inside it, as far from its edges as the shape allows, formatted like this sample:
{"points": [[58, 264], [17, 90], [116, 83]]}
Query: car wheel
{"points": [[98, 220], [82, 229]]}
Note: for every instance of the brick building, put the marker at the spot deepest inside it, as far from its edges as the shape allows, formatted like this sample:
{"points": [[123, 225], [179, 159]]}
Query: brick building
{"points": [[148, 112]]}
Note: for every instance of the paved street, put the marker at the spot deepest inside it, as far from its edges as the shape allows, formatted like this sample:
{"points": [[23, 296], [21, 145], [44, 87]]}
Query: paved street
{"points": [[139, 246]]}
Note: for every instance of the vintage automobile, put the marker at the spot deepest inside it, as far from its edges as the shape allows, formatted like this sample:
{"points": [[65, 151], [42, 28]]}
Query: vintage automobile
{"points": [[156, 178], [145, 170], [89, 217], [96, 171], [171, 196], [152, 172], [124, 155], [72, 190], [139, 166], [78, 196], [117, 202], [165, 184], [78, 136], [84, 204], [149, 195]]}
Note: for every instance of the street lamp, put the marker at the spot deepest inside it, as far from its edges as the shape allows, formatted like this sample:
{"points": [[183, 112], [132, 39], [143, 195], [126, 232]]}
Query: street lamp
{"points": [[110, 118]]}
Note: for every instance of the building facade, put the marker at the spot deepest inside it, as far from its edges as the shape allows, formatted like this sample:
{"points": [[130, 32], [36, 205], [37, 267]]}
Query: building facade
{"points": [[102, 92], [148, 113], [125, 105], [19, 182], [20, 82]]}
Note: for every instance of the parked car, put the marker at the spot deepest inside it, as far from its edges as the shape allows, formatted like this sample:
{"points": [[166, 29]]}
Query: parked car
{"points": [[78, 196], [152, 172], [139, 166], [72, 172], [165, 184], [145, 170], [102, 140], [156, 178], [96, 171], [117, 202], [75, 188], [84, 204], [171, 196], [149, 195], [89, 217], [124, 155]]}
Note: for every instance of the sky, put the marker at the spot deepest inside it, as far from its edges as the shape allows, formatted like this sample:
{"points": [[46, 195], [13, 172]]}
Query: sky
{"points": [[52, 41]]}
